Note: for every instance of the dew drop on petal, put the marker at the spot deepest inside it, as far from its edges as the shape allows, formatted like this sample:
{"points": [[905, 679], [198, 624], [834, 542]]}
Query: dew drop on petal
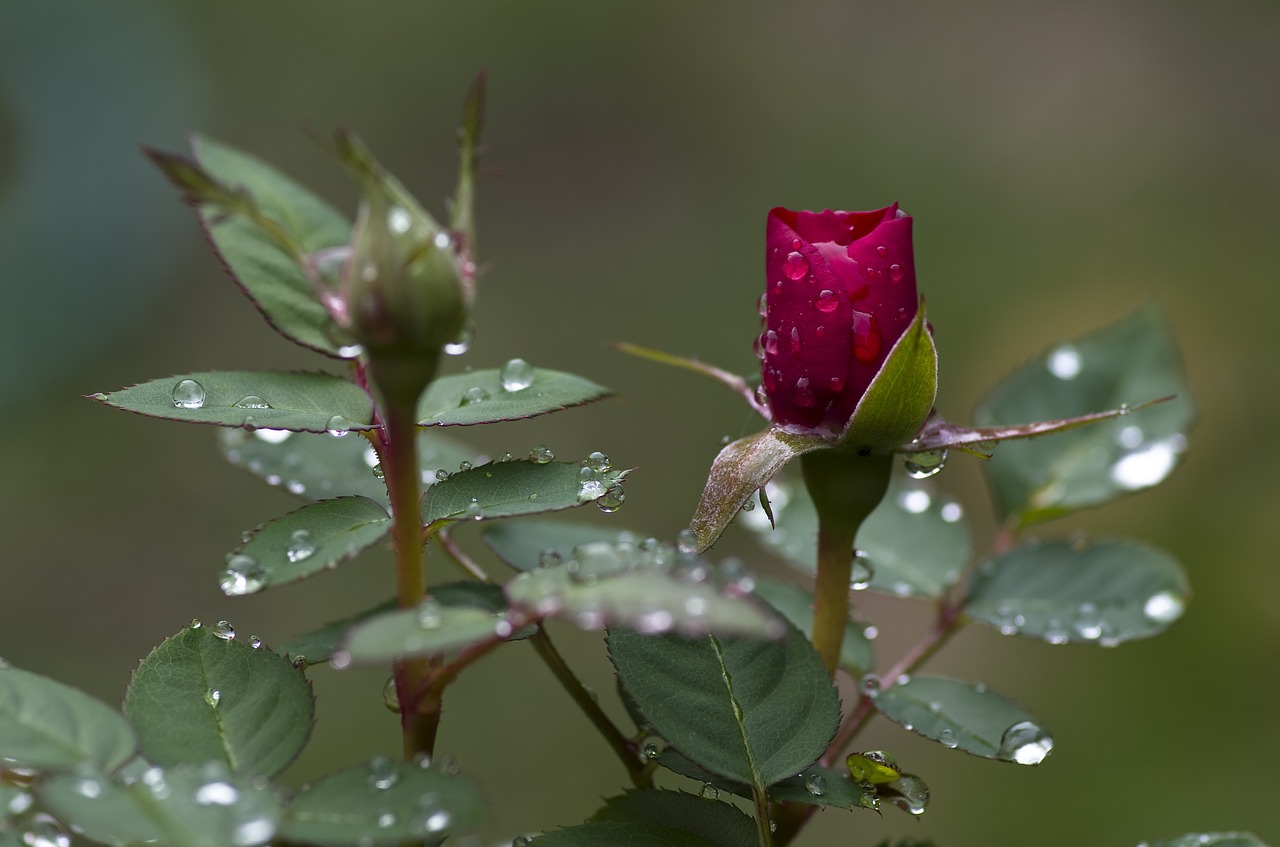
{"points": [[896, 273], [188, 394], [795, 266], [771, 343], [803, 394], [795, 339], [827, 301]]}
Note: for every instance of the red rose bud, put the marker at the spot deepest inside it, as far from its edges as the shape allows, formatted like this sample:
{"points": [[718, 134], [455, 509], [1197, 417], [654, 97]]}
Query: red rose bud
{"points": [[841, 290]]}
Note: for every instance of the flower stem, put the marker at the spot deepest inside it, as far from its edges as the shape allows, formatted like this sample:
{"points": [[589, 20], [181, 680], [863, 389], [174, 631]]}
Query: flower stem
{"points": [[764, 826], [845, 488], [640, 775], [419, 720]]}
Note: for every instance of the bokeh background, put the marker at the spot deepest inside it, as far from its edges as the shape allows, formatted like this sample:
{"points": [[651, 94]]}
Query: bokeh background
{"points": [[1065, 163]]}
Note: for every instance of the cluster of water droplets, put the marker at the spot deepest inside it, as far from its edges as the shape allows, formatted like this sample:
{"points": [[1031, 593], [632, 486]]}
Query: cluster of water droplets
{"points": [[594, 484]]}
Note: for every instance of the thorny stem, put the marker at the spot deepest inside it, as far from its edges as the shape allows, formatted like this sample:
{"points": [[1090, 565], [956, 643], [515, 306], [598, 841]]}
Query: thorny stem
{"points": [[622, 746], [419, 719]]}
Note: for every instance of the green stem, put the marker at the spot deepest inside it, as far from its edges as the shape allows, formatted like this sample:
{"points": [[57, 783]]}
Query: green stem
{"points": [[764, 826], [625, 750], [845, 489], [419, 720]]}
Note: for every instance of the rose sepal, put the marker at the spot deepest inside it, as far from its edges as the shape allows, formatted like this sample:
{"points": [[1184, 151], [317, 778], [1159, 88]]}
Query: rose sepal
{"points": [[740, 470], [901, 395]]}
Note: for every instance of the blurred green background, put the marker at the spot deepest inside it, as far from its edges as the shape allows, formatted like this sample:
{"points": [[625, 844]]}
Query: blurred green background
{"points": [[1065, 163]]}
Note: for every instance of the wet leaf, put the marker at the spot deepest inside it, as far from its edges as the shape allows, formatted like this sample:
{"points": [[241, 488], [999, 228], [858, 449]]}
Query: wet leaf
{"points": [[478, 397], [512, 489], [317, 537], [1104, 592], [383, 802], [48, 726], [966, 717], [629, 833], [202, 698], [186, 806], [272, 279], [752, 710], [796, 605], [605, 584], [1133, 361], [318, 646], [424, 631], [520, 545], [319, 466], [300, 402], [916, 540], [720, 823]]}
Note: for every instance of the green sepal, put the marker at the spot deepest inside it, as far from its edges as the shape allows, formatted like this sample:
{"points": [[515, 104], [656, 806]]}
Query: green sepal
{"points": [[901, 395], [739, 470]]}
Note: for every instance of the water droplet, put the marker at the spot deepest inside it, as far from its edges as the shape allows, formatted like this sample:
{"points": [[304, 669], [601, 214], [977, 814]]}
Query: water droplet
{"points": [[612, 499], [44, 831], [474, 394], [862, 572], [1056, 633], [520, 841], [1026, 743], [827, 301], [951, 512], [549, 558], [1088, 624], [272, 436], [390, 698], [89, 787], [350, 351], [1148, 465], [442, 475], [300, 546], [541, 454], [216, 793], [213, 697], [195, 623], [516, 375], [383, 773], [896, 273], [651, 751], [870, 632], [1065, 362], [866, 337], [816, 784], [709, 792], [597, 461], [385, 820], [399, 220], [437, 821], [795, 266], [253, 401], [771, 343], [795, 339], [947, 737], [926, 464], [462, 343], [300, 662], [913, 794], [686, 543], [242, 575], [337, 426], [870, 685], [803, 394], [465, 466], [188, 394], [224, 630], [255, 642], [474, 510], [882, 251], [1164, 607], [591, 489]]}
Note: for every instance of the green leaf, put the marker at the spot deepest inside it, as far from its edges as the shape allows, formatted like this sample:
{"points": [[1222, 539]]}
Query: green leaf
{"points": [[300, 402], [719, 823], [616, 833], [650, 590], [318, 466], [318, 537], [965, 717], [900, 397], [752, 710], [821, 786], [796, 605], [429, 629], [1133, 361], [383, 802], [1211, 839], [46, 725], [318, 646], [1103, 593], [272, 279], [738, 472], [199, 697], [478, 397], [915, 541], [520, 545], [186, 806], [512, 489]]}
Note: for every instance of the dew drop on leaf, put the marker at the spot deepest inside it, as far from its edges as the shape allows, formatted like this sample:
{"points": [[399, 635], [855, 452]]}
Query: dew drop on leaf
{"points": [[188, 394], [516, 375], [383, 773], [816, 785], [300, 546], [242, 575], [709, 792], [541, 455], [337, 426], [252, 401], [926, 464], [224, 630], [1026, 743]]}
